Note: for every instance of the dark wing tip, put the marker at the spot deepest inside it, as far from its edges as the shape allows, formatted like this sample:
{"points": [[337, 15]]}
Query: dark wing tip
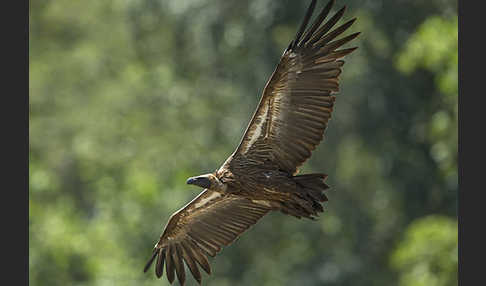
{"points": [[344, 40], [301, 30], [179, 264], [320, 18], [190, 262], [326, 27], [341, 11], [151, 260], [311, 36], [169, 265], [159, 267]]}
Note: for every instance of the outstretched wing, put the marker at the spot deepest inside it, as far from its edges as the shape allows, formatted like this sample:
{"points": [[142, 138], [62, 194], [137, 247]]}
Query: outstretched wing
{"points": [[201, 228], [297, 101]]}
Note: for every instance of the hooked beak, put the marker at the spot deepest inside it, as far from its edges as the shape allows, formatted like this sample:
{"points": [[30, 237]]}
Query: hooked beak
{"points": [[200, 181]]}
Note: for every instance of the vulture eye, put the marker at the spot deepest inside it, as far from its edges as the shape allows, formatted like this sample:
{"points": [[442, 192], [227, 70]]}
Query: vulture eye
{"points": [[202, 182]]}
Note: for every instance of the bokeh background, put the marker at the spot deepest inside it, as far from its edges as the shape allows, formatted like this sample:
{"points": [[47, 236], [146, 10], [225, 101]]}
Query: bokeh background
{"points": [[129, 98]]}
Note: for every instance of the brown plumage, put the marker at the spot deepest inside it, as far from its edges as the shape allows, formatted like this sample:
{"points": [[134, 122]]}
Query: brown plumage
{"points": [[261, 175]]}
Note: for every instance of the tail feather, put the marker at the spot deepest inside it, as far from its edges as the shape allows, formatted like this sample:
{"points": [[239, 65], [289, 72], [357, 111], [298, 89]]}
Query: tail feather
{"points": [[314, 185], [307, 201]]}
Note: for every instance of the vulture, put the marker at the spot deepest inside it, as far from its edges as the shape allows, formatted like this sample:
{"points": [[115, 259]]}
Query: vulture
{"points": [[261, 174]]}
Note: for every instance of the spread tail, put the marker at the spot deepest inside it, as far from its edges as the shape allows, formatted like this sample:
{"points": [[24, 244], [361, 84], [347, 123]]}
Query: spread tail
{"points": [[307, 200]]}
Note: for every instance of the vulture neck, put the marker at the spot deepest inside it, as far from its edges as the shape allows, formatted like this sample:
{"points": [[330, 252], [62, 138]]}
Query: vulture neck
{"points": [[216, 184]]}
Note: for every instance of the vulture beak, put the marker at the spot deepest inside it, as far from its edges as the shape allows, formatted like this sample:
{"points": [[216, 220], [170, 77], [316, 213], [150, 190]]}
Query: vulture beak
{"points": [[201, 181]]}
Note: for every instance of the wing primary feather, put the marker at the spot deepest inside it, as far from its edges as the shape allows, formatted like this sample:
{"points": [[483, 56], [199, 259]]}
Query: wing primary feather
{"points": [[336, 55], [317, 22], [159, 267], [189, 258], [151, 260], [179, 264], [337, 43], [169, 264], [326, 27], [328, 59], [307, 17], [336, 32]]}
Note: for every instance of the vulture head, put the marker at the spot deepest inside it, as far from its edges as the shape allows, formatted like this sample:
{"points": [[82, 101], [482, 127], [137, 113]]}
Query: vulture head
{"points": [[207, 181]]}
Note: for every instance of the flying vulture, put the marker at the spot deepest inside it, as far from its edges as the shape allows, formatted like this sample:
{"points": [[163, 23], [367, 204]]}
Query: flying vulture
{"points": [[261, 175]]}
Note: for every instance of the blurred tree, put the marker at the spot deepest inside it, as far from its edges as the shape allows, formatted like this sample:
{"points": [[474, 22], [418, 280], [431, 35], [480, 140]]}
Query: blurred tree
{"points": [[434, 48], [427, 256]]}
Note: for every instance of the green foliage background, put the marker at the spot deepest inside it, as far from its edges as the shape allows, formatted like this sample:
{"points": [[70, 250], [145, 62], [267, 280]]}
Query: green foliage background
{"points": [[129, 98]]}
